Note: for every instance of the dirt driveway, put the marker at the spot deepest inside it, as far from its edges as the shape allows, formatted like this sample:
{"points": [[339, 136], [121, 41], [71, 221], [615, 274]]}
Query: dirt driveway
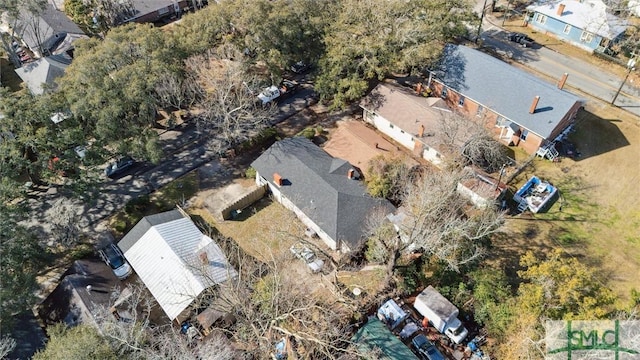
{"points": [[353, 141]]}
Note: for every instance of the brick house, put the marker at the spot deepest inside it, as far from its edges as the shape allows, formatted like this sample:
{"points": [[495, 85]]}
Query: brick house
{"points": [[520, 109]]}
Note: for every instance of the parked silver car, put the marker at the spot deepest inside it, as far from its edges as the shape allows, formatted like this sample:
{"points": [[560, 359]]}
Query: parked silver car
{"points": [[113, 257], [308, 256]]}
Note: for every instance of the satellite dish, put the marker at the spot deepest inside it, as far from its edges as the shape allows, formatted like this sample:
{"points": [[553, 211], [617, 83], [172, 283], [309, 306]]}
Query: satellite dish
{"points": [[356, 291]]}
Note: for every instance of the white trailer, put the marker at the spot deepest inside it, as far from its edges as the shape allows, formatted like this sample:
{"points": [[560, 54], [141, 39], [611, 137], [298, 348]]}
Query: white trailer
{"points": [[441, 313]]}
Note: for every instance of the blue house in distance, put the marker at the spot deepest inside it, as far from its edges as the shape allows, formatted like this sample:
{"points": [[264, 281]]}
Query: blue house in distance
{"points": [[582, 23]]}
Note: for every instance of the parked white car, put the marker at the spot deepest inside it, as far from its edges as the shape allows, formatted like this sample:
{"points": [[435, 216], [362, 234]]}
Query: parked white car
{"points": [[307, 255]]}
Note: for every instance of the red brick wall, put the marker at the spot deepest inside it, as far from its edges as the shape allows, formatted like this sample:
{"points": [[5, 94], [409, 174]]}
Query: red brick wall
{"points": [[470, 108]]}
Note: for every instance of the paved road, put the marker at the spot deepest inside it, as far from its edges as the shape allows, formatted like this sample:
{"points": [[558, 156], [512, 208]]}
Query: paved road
{"points": [[185, 150], [551, 65]]}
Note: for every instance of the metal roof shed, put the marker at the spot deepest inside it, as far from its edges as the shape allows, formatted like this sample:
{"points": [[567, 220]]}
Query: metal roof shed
{"points": [[175, 261]]}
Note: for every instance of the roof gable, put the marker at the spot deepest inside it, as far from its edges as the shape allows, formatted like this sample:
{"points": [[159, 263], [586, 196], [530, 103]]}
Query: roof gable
{"points": [[41, 28], [319, 186], [504, 89], [43, 71], [166, 253], [591, 16]]}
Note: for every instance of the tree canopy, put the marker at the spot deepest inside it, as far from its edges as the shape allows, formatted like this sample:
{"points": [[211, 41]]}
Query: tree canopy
{"points": [[110, 86], [369, 40]]}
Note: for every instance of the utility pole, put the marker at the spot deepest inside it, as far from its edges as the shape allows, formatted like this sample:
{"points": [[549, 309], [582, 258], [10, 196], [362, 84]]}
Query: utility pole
{"points": [[501, 174], [630, 67], [507, 11], [484, 7]]}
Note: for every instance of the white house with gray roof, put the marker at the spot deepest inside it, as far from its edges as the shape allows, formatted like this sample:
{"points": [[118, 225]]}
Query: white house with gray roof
{"points": [[324, 192], [174, 260], [519, 108]]}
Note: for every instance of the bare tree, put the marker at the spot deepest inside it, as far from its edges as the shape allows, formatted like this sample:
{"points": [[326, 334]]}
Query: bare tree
{"points": [[110, 13], [127, 327], [174, 91], [230, 110], [7, 344], [125, 322], [436, 220], [64, 222], [470, 142]]}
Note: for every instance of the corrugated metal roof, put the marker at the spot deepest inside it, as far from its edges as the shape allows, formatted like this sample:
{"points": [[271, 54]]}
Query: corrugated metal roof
{"points": [[167, 257], [503, 88]]}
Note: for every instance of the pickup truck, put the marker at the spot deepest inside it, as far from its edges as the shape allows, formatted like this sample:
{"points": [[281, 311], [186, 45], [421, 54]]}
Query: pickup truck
{"points": [[273, 93]]}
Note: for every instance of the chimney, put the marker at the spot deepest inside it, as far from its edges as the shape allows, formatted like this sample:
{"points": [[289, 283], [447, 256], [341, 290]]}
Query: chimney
{"points": [[277, 179], [560, 9], [351, 173], [421, 131], [562, 81], [534, 104], [204, 259]]}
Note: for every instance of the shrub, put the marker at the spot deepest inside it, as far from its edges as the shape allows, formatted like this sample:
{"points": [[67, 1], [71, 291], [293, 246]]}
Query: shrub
{"points": [[250, 173], [309, 133]]}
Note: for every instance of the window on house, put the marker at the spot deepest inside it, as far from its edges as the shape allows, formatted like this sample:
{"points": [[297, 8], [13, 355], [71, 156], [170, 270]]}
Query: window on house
{"points": [[444, 93], [586, 37], [541, 19], [402, 131], [567, 29], [480, 111], [501, 122], [523, 135], [461, 101], [163, 10]]}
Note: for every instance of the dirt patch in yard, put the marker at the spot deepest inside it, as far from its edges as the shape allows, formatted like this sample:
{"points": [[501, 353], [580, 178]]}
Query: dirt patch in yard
{"points": [[353, 141], [597, 215]]}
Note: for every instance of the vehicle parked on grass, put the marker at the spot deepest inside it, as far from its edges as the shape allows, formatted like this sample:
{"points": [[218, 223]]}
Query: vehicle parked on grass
{"points": [[441, 313], [521, 39], [113, 257], [426, 349], [273, 93], [307, 255], [116, 167]]}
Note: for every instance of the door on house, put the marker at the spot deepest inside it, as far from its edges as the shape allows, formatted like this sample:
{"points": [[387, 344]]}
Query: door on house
{"points": [[507, 128]]}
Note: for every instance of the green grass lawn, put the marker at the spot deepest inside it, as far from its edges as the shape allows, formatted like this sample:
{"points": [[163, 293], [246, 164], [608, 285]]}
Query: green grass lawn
{"points": [[600, 214], [262, 230]]}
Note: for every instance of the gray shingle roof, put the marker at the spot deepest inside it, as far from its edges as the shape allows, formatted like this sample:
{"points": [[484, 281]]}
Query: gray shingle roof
{"points": [[43, 71], [503, 88], [317, 184], [41, 28]]}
